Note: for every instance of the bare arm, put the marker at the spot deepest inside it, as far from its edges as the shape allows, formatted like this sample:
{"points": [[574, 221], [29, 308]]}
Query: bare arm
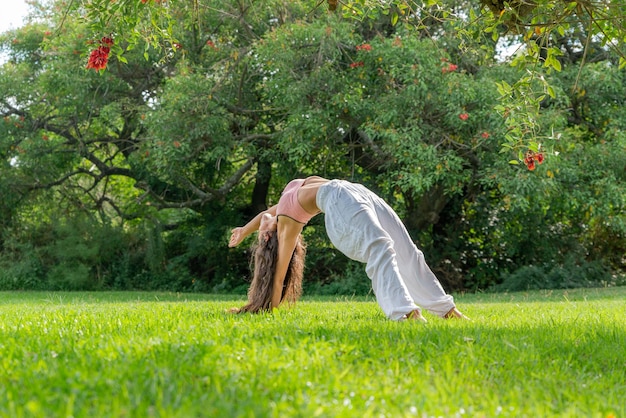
{"points": [[288, 231], [240, 233]]}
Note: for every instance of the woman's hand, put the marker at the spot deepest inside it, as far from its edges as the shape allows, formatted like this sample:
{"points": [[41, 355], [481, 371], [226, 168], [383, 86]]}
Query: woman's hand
{"points": [[236, 236]]}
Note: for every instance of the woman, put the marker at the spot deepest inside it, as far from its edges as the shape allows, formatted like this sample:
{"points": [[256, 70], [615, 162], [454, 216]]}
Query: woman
{"points": [[363, 227]]}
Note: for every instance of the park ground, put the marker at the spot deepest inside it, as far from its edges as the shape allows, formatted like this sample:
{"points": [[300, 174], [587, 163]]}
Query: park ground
{"points": [[142, 354]]}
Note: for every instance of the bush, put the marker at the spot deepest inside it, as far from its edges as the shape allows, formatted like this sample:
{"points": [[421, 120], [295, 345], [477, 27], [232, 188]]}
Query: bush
{"points": [[20, 267], [571, 274], [352, 282], [68, 254]]}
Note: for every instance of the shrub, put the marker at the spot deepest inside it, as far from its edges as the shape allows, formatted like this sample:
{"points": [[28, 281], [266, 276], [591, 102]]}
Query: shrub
{"points": [[352, 282], [571, 274]]}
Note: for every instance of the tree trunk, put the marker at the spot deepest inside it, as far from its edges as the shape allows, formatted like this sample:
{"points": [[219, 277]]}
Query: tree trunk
{"points": [[261, 187]]}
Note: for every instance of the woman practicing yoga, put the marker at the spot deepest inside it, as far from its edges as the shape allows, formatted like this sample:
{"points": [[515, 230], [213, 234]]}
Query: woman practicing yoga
{"points": [[359, 224]]}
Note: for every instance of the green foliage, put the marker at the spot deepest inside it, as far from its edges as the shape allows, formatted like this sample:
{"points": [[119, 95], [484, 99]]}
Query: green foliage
{"points": [[536, 25], [141, 354], [68, 254], [352, 281], [79, 254], [551, 214], [20, 267], [188, 132], [570, 275]]}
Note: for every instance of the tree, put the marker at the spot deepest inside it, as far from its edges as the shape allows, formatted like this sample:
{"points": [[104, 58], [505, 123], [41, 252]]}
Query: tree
{"points": [[170, 146], [544, 30]]}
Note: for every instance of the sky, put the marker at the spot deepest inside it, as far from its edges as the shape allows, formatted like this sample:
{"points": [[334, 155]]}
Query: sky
{"points": [[12, 14]]}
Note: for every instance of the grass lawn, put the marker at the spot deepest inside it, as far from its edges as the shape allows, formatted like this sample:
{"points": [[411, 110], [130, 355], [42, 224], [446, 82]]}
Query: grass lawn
{"points": [[536, 354]]}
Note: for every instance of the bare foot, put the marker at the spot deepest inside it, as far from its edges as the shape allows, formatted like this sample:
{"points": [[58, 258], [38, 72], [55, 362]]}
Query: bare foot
{"points": [[416, 315], [455, 313], [232, 310]]}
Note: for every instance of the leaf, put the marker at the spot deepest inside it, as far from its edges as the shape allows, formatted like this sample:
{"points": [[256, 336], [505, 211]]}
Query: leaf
{"points": [[394, 18], [504, 88]]}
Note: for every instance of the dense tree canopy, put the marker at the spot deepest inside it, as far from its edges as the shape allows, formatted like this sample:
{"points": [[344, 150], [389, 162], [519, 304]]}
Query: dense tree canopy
{"points": [[131, 175]]}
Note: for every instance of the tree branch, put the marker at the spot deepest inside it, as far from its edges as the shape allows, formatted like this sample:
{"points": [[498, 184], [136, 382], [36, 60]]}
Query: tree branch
{"points": [[202, 197]]}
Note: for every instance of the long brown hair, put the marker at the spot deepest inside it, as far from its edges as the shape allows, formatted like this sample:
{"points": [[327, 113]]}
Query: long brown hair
{"points": [[264, 257]]}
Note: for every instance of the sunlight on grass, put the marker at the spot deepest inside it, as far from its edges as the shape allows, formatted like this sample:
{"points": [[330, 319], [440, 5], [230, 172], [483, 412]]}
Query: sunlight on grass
{"points": [[162, 354]]}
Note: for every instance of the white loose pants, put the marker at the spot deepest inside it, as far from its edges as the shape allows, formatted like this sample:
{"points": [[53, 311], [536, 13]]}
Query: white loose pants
{"points": [[365, 228]]}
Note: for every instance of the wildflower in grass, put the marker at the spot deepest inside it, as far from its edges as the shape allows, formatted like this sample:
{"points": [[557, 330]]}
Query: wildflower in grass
{"points": [[356, 64], [364, 47], [485, 135], [464, 116]]}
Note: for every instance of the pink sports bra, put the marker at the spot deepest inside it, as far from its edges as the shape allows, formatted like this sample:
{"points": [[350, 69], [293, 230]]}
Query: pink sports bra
{"points": [[288, 205]]}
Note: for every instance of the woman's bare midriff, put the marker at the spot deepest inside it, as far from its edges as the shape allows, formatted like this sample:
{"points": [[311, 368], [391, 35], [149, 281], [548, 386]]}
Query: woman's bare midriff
{"points": [[308, 192]]}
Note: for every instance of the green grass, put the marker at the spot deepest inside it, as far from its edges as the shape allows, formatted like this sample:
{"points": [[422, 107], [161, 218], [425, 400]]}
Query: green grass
{"points": [[539, 354]]}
